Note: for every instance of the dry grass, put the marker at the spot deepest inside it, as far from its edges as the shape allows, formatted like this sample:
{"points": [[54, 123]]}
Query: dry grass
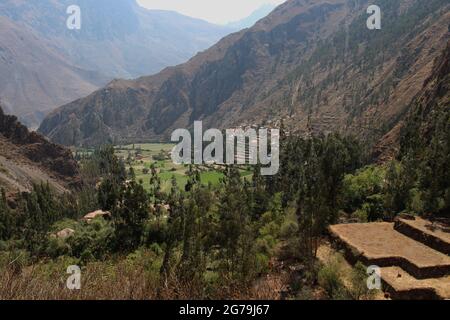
{"points": [[121, 281], [98, 282]]}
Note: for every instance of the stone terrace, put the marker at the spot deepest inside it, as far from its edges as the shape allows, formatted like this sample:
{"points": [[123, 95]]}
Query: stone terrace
{"points": [[412, 255]]}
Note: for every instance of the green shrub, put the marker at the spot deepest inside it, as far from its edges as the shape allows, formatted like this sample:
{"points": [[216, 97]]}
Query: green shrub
{"points": [[358, 278], [265, 244], [330, 279], [374, 207], [363, 184], [64, 224], [155, 231], [361, 215], [159, 157], [93, 240], [288, 229], [14, 258], [416, 204], [261, 263], [289, 226], [57, 247]]}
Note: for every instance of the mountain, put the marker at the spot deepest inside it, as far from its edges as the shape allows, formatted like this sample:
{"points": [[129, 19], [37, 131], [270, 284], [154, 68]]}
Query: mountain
{"points": [[428, 118], [27, 158], [34, 77], [254, 17], [313, 64], [44, 65]]}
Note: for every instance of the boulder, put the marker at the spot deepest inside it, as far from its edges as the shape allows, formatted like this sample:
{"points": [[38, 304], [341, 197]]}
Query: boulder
{"points": [[65, 233], [99, 213]]}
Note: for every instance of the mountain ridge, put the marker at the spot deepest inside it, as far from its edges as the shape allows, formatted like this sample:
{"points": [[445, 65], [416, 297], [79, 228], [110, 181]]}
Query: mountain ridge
{"points": [[45, 65], [312, 64]]}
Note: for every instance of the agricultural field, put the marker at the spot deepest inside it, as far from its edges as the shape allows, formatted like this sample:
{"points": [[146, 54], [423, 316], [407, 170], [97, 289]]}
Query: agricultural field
{"points": [[141, 157]]}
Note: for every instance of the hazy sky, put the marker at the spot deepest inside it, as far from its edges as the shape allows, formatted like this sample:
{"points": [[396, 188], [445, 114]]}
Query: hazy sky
{"points": [[216, 11]]}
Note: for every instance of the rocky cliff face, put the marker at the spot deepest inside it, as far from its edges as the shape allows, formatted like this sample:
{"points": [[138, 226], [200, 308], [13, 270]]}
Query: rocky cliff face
{"points": [[428, 116], [428, 122], [27, 157], [313, 64]]}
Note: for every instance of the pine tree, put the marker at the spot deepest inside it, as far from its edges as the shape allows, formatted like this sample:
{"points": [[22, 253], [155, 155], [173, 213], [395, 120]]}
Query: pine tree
{"points": [[196, 229], [129, 215], [41, 211], [6, 219], [108, 194], [155, 186], [235, 233], [174, 233]]}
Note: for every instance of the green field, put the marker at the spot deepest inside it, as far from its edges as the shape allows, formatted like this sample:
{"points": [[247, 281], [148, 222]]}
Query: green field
{"points": [[142, 156]]}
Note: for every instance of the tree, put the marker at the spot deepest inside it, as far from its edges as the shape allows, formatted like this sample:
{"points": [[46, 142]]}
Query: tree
{"points": [[236, 235], [399, 182], [310, 205], [175, 226], [258, 196], [129, 215], [108, 194], [197, 224], [6, 219], [325, 162], [155, 185], [41, 211]]}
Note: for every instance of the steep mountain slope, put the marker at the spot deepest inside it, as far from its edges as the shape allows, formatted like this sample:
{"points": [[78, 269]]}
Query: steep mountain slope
{"points": [[43, 64], [428, 119], [27, 158], [313, 64], [34, 77]]}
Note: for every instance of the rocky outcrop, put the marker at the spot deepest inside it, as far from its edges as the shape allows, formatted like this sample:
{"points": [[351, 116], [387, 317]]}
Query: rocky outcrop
{"points": [[27, 157]]}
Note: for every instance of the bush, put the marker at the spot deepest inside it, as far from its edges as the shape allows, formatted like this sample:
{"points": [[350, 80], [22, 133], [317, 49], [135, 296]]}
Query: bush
{"points": [[265, 244], [155, 231], [359, 288], [330, 279], [63, 224], [289, 227], [374, 207], [92, 241], [270, 229], [261, 263], [14, 258], [416, 204], [360, 186], [159, 157], [57, 247], [361, 215]]}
